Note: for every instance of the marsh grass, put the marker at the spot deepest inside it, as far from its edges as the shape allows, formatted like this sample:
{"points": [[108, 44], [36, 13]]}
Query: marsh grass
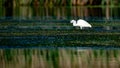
{"points": [[52, 58]]}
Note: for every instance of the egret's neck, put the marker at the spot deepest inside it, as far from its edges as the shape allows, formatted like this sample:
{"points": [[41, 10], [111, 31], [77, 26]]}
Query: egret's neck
{"points": [[74, 23]]}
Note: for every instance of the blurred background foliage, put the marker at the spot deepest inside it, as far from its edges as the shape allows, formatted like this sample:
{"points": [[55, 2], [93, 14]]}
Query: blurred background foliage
{"points": [[58, 2]]}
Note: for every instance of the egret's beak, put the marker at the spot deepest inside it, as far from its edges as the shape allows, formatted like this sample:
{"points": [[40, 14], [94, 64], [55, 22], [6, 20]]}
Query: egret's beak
{"points": [[71, 21]]}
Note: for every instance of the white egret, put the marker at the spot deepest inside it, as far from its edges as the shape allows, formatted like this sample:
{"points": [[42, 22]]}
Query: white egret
{"points": [[81, 23]]}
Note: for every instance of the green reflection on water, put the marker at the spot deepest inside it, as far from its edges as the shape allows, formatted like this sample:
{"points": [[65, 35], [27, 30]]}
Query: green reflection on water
{"points": [[59, 58]]}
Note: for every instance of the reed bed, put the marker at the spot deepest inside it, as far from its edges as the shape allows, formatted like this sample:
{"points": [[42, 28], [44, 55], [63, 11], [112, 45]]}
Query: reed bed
{"points": [[59, 58]]}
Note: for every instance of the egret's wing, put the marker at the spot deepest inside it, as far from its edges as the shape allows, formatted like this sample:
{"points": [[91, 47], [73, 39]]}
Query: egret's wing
{"points": [[83, 22]]}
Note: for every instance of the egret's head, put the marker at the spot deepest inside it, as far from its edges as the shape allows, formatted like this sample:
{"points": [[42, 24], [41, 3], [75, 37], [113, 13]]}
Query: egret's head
{"points": [[72, 21]]}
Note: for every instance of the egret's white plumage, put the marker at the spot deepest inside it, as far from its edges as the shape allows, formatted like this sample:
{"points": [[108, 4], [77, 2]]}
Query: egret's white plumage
{"points": [[81, 23]]}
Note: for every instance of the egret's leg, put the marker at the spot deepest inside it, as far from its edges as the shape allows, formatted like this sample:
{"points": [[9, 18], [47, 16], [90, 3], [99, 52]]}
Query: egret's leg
{"points": [[80, 27]]}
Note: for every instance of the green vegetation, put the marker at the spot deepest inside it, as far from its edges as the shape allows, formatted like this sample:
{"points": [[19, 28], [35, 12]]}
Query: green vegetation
{"points": [[58, 58]]}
